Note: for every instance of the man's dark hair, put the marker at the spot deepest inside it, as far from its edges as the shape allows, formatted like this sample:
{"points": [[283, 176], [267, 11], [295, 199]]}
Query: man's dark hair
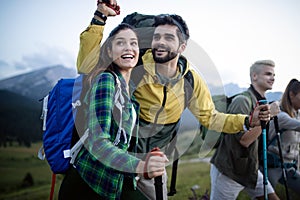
{"points": [[175, 20]]}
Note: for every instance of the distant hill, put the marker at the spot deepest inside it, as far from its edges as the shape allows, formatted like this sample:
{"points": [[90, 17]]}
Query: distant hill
{"points": [[36, 84], [273, 96], [232, 89]]}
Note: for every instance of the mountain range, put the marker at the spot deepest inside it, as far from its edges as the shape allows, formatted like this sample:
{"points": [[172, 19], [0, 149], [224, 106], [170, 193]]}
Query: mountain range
{"points": [[232, 89], [36, 84], [20, 107]]}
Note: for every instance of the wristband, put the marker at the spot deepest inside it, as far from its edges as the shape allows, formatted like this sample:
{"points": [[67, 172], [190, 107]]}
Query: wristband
{"points": [[97, 22], [101, 15], [246, 123]]}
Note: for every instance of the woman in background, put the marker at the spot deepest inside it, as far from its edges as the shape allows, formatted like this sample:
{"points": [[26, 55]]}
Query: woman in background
{"points": [[289, 127]]}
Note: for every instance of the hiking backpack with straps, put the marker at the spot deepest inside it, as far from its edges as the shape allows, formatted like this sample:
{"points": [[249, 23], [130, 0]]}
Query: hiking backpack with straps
{"points": [[143, 24], [61, 108], [58, 114]]}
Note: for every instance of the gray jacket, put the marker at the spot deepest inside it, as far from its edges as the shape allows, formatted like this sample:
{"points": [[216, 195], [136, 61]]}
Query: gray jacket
{"points": [[290, 137]]}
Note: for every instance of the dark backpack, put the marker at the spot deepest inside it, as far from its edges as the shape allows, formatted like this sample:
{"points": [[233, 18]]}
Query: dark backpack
{"points": [[143, 24], [222, 103]]}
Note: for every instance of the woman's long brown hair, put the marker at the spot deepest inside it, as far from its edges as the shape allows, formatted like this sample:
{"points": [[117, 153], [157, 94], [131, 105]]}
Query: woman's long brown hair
{"points": [[286, 104]]}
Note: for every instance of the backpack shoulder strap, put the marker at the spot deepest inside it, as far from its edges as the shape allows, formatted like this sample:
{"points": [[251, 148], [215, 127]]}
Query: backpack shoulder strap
{"points": [[119, 103], [188, 87], [244, 93], [247, 94], [118, 93], [138, 73]]}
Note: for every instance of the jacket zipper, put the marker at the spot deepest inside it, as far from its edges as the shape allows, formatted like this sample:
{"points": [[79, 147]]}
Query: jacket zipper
{"points": [[157, 114]]}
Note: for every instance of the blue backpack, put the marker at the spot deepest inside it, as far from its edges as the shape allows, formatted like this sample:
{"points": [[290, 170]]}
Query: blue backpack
{"points": [[60, 108], [58, 123]]}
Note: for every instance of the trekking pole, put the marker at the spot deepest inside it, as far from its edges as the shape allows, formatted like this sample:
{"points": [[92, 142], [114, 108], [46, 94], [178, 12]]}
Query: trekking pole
{"points": [[281, 156], [174, 173], [157, 180], [158, 188], [172, 147], [264, 141]]}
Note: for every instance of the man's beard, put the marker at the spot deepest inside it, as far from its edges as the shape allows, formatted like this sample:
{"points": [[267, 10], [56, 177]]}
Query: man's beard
{"points": [[170, 56]]}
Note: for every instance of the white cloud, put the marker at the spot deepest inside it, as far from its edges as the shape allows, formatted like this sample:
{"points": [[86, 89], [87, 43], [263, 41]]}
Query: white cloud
{"points": [[48, 56]]}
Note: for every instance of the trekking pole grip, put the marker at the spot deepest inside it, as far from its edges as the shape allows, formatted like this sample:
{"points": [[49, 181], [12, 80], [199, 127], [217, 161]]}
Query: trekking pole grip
{"points": [[157, 180], [154, 152], [263, 102]]}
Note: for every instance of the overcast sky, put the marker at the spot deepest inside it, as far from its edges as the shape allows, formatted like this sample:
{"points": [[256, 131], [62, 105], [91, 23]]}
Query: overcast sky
{"points": [[226, 35]]}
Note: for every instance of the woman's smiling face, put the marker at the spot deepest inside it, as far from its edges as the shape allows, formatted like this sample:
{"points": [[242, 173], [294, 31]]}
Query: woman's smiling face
{"points": [[125, 49]]}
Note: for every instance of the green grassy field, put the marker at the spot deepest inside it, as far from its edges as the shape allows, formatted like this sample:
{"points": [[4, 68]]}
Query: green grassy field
{"points": [[17, 162]]}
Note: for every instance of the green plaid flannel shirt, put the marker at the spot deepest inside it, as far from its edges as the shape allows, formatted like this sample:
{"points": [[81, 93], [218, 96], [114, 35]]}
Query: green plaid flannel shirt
{"points": [[101, 163]]}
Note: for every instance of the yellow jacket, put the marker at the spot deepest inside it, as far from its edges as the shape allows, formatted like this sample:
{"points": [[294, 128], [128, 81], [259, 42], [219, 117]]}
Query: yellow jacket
{"points": [[150, 91]]}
